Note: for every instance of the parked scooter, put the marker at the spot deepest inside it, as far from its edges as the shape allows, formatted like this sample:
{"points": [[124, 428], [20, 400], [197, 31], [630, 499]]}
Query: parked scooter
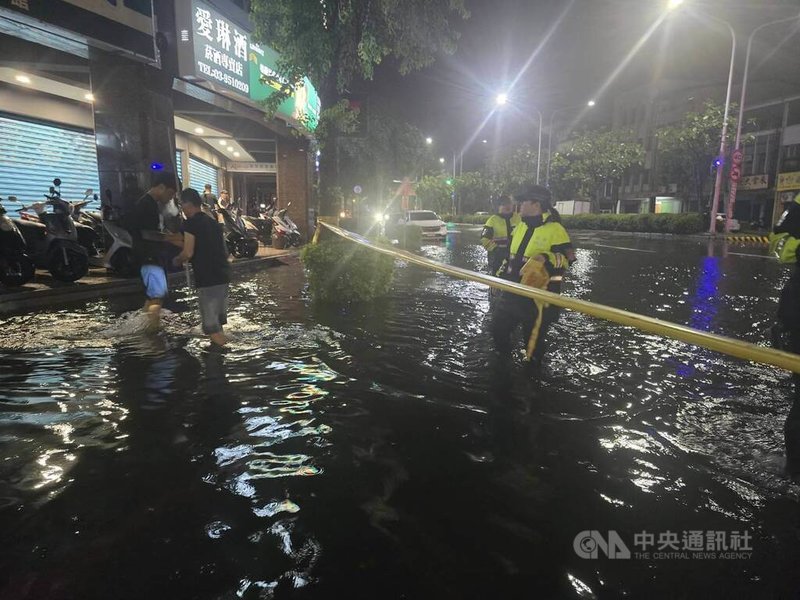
{"points": [[52, 239], [261, 225], [241, 242], [16, 267], [119, 257], [89, 226], [283, 226]]}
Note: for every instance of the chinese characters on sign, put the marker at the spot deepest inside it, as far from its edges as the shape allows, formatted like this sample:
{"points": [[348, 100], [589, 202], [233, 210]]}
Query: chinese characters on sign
{"points": [[220, 50], [754, 182], [789, 181]]}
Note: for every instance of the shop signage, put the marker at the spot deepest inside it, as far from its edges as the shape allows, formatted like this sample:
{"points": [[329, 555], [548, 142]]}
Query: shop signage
{"points": [[754, 182], [220, 52], [788, 181], [252, 167], [127, 25]]}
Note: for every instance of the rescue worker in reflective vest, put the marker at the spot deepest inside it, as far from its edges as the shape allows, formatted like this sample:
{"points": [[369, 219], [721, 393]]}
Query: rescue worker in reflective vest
{"points": [[539, 237], [784, 243], [496, 235]]}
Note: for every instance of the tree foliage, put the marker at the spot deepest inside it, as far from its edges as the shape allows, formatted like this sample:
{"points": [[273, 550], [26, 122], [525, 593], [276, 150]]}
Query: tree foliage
{"points": [[512, 169], [687, 149], [590, 160], [434, 193], [473, 191], [336, 42]]}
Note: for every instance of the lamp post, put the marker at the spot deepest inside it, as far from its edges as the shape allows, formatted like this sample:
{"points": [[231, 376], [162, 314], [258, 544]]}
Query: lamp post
{"points": [[501, 100], [590, 104], [738, 143], [723, 144]]}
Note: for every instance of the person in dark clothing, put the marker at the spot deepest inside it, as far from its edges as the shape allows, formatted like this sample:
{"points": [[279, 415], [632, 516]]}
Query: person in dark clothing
{"points": [[209, 198], [204, 246], [145, 225], [789, 319]]}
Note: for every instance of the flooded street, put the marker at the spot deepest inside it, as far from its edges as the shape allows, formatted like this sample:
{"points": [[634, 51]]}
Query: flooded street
{"points": [[382, 451]]}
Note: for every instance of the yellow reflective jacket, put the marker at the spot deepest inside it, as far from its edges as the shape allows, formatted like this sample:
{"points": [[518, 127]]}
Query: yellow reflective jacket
{"points": [[499, 230], [549, 239], [784, 240]]}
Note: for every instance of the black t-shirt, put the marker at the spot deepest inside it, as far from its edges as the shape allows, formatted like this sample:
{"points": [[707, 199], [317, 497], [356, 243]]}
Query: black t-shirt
{"points": [[145, 217], [210, 260]]}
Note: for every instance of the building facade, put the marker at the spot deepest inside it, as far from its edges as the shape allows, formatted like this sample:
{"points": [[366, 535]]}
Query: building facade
{"points": [[100, 94]]}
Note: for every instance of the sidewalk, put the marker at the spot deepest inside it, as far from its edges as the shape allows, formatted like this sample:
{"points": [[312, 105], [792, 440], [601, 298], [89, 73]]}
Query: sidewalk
{"points": [[44, 291]]}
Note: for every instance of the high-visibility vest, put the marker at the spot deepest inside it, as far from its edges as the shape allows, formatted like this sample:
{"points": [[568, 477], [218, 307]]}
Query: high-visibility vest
{"points": [[498, 229]]}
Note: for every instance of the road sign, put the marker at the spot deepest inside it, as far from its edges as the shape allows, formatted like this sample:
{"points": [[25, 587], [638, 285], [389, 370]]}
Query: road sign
{"points": [[738, 156], [357, 189], [736, 173]]}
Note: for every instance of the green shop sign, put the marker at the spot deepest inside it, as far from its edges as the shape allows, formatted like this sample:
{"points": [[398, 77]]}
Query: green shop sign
{"points": [[219, 52], [303, 105]]}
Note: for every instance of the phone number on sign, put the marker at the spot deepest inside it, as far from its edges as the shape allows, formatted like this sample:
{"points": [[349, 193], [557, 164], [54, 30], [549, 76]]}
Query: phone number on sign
{"points": [[218, 75]]}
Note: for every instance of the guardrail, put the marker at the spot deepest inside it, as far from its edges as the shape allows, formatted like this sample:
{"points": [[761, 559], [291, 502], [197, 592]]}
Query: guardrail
{"points": [[711, 341]]}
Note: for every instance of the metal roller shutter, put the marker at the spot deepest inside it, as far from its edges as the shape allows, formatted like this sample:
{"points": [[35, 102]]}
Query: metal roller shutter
{"points": [[33, 154], [201, 173]]}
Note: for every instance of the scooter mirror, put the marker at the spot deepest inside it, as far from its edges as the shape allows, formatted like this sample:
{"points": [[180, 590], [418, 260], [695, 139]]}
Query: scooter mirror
{"points": [[52, 190], [12, 198], [288, 205], [89, 192], [56, 182], [95, 196]]}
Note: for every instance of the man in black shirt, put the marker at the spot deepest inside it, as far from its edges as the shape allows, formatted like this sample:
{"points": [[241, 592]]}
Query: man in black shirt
{"points": [[204, 245], [146, 227]]}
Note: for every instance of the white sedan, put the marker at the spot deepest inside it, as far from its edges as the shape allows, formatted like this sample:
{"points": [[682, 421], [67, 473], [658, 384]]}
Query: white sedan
{"points": [[430, 223]]}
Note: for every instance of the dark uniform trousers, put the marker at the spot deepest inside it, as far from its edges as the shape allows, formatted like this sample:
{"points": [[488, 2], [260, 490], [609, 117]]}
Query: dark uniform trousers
{"points": [[512, 311]]}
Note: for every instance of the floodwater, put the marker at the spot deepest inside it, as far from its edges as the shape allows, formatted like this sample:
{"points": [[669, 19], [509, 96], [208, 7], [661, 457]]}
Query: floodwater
{"points": [[381, 451]]}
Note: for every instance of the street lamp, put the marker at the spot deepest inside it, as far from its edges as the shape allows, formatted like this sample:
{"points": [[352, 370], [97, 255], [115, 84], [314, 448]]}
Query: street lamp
{"points": [[738, 143], [441, 159], [429, 140], [724, 140], [590, 104], [503, 99], [673, 4]]}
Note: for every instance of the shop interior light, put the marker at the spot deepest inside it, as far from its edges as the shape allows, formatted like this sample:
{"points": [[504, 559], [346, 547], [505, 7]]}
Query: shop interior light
{"points": [[237, 154], [23, 78], [223, 142], [199, 130], [89, 96]]}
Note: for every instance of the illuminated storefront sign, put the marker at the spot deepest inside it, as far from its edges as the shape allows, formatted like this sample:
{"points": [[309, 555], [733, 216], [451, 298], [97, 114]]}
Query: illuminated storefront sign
{"points": [[218, 51]]}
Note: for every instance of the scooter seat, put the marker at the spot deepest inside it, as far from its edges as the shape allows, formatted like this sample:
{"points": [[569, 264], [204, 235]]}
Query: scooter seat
{"points": [[30, 225]]}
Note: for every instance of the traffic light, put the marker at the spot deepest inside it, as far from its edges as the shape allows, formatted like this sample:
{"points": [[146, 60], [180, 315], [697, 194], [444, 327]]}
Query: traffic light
{"points": [[448, 181]]}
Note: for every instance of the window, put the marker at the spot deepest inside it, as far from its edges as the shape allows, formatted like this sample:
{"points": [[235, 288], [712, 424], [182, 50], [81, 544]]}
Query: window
{"points": [[36, 153], [179, 166], [202, 173]]}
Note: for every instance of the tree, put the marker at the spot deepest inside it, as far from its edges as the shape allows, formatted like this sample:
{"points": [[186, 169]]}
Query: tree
{"points": [[687, 149], [512, 169], [434, 193], [592, 159], [391, 150], [473, 192], [335, 43]]}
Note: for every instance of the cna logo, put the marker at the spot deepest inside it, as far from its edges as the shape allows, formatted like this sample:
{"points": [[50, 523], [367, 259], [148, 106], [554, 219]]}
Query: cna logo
{"points": [[589, 544]]}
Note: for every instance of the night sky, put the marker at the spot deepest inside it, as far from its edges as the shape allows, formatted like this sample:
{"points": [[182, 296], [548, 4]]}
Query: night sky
{"points": [[450, 99]]}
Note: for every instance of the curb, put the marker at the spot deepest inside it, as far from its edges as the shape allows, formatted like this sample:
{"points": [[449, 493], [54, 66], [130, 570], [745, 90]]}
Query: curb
{"points": [[18, 302]]}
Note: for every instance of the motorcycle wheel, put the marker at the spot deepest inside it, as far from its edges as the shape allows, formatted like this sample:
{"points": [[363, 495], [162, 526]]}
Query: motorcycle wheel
{"points": [[236, 248], [250, 248], [123, 263], [294, 239], [68, 262], [16, 271]]}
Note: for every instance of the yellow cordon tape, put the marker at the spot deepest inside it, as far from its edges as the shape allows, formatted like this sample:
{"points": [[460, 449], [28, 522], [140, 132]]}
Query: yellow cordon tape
{"points": [[718, 343], [747, 239]]}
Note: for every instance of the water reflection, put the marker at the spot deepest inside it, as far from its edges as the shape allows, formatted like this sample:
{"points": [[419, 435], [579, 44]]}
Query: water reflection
{"points": [[383, 451]]}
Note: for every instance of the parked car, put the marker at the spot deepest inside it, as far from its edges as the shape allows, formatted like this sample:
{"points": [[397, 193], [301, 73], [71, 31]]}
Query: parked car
{"points": [[430, 223]]}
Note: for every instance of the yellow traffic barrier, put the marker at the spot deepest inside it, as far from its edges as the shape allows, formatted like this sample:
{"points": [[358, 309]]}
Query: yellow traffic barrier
{"points": [[747, 239], [711, 341]]}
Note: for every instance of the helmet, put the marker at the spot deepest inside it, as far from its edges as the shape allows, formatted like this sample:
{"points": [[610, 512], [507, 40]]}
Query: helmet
{"points": [[535, 193]]}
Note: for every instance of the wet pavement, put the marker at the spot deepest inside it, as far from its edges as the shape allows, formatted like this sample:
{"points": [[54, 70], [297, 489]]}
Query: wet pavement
{"points": [[382, 451]]}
